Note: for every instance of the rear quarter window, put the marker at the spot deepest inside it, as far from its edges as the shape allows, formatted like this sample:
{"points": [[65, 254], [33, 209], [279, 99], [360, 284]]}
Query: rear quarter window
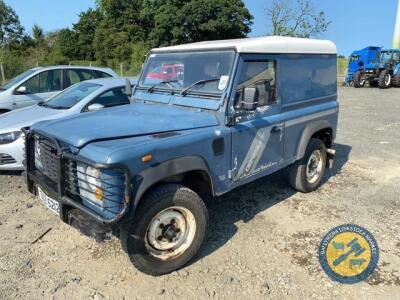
{"points": [[304, 77]]}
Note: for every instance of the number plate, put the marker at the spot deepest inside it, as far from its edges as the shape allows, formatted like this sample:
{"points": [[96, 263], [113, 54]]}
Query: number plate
{"points": [[51, 204]]}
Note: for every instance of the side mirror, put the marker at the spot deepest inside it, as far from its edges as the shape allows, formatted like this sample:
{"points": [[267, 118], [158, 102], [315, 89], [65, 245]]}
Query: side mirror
{"points": [[21, 90], [95, 106], [128, 88], [250, 97]]}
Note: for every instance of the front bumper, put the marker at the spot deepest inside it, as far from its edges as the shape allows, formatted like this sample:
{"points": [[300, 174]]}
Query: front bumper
{"points": [[58, 187], [12, 155]]}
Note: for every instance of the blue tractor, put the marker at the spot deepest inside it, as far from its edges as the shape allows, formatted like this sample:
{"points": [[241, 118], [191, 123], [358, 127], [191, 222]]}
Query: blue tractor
{"points": [[384, 73], [359, 59]]}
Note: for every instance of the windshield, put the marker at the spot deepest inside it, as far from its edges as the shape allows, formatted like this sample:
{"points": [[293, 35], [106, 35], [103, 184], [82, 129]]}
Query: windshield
{"points": [[17, 79], [204, 72], [386, 56], [72, 95]]}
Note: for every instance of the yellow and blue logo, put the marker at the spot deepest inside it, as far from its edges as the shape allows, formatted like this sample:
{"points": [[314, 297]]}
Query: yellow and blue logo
{"points": [[348, 254]]}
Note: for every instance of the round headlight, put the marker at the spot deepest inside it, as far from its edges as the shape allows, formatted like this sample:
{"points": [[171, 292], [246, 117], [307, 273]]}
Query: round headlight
{"points": [[92, 178]]}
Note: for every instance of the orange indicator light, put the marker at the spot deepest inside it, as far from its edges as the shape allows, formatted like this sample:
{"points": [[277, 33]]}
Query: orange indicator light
{"points": [[147, 158]]}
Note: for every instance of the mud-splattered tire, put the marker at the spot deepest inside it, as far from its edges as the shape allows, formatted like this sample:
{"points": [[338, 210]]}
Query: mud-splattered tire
{"points": [[385, 79], [396, 80], [166, 231], [306, 174], [359, 79]]}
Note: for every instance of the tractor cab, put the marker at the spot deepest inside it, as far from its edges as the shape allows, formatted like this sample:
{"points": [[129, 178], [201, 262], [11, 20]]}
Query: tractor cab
{"points": [[359, 59]]}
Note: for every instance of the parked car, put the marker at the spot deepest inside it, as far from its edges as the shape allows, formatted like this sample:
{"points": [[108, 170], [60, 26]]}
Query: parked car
{"points": [[80, 98], [245, 109], [359, 59], [38, 84], [384, 73], [167, 72]]}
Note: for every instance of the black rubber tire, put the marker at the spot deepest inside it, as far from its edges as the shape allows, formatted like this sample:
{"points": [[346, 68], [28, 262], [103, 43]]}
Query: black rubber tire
{"points": [[133, 232], [297, 172], [381, 81], [358, 81], [396, 80]]}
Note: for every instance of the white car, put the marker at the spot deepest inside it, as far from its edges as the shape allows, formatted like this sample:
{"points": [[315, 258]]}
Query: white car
{"points": [[38, 84], [82, 97]]}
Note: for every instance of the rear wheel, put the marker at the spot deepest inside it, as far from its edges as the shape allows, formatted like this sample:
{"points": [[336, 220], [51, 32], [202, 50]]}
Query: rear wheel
{"points": [[166, 231], [385, 79], [396, 80], [306, 174], [359, 79]]}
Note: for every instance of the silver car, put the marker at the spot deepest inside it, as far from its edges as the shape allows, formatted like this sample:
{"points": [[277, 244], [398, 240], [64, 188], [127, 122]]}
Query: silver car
{"points": [[38, 84], [82, 97]]}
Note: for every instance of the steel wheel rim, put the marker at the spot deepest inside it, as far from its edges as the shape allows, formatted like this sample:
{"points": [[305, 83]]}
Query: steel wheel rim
{"points": [[388, 79], [170, 233], [314, 167]]}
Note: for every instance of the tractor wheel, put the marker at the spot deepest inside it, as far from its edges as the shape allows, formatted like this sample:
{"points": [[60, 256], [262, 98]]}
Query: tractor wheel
{"points": [[385, 79], [396, 80], [359, 79]]}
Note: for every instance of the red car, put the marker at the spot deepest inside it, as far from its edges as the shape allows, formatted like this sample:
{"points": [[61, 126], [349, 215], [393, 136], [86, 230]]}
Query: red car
{"points": [[167, 72]]}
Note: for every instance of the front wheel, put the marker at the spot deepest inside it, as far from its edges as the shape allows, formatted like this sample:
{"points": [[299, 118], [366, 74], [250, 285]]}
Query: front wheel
{"points": [[385, 79], [359, 79], [306, 174], [166, 231]]}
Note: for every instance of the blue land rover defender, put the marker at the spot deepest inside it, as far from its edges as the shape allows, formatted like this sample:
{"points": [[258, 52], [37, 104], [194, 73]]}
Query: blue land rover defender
{"points": [[236, 111]]}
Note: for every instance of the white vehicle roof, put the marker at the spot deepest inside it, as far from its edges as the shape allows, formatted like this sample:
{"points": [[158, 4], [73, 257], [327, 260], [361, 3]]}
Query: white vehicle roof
{"points": [[270, 44]]}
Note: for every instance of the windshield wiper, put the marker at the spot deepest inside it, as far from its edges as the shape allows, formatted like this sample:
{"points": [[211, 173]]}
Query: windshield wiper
{"points": [[167, 82], [186, 89]]}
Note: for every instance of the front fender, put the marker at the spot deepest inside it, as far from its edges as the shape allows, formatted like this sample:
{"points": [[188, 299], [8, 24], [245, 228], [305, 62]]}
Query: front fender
{"points": [[152, 175]]}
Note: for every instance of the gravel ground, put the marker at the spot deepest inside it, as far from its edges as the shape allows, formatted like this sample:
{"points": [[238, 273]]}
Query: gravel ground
{"points": [[263, 240]]}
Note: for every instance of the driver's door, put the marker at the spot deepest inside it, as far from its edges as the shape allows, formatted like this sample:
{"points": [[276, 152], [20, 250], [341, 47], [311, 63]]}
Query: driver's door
{"points": [[257, 137]]}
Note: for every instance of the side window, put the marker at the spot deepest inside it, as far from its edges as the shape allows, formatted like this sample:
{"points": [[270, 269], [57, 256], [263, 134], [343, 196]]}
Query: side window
{"points": [[113, 97], [100, 74], [45, 82], [73, 77], [86, 74], [50, 81], [259, 75], [32, 85]]}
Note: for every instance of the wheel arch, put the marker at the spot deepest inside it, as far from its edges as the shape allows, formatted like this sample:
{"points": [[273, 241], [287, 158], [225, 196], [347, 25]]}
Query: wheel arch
{"points": [[322, 130], [191, 171]]}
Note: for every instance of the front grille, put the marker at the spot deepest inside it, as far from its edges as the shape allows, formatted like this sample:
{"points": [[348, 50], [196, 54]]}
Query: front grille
{"points": [[46, 159], [6, 159]]}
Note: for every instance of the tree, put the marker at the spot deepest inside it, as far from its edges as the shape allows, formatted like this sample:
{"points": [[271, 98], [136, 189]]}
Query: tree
{"points": [[180, 21], [296, 18], [11, 29], [85, 31]]}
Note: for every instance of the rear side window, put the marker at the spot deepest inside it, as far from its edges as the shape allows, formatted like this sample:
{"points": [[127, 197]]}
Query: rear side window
{"points": [[113, 97], [45, 82], [102, 74], [305, 77], [259, 75], [77, 75]]}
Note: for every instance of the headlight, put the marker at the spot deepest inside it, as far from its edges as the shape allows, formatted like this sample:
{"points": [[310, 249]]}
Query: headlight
{"points": [[9, 137], [89, 181]]}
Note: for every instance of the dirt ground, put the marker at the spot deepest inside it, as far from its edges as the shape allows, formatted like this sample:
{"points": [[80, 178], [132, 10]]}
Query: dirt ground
{"points": [[263, 239]]}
